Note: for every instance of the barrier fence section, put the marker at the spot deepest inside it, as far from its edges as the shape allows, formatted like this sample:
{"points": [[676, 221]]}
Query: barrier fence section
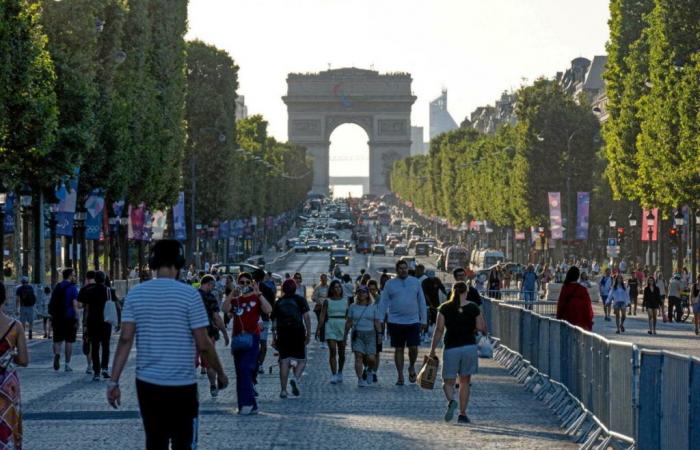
{"points": [[649, 395], [121, 287]]}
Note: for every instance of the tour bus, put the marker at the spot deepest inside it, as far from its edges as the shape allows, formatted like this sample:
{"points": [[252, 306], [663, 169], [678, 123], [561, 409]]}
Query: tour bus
{"points": [[456, 257], [483, 259]]}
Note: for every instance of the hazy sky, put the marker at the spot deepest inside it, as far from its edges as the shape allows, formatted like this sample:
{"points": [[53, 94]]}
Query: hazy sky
{"points": [[474, 48]]}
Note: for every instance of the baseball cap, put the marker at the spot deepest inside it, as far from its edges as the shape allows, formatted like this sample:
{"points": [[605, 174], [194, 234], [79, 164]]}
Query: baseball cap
{"points": [[24, 280]]}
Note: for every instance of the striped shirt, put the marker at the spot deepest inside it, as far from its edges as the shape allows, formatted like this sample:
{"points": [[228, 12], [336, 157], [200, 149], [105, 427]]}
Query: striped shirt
{"points": [[165, 312]]}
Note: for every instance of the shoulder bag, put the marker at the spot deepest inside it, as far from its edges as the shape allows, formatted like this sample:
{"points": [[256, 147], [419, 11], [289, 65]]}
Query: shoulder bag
{"points": [[110, 311]]}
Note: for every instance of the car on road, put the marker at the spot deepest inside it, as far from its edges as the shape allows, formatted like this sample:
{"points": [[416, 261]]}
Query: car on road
{"points": [[400, 250], [237, 268], [313, 245], [378, 249], [340, 256], [300, 247], [422, 249], [326, 246], [257, 260]]}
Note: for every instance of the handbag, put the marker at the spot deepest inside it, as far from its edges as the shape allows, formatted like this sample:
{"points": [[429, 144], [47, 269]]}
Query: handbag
{"points": [[485, 347], [353, 335], [110, 311]]}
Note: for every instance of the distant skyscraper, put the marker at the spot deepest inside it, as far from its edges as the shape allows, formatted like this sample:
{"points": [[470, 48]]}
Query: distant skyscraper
{"points": [[418, 146], [440, 119], [241, 108]]}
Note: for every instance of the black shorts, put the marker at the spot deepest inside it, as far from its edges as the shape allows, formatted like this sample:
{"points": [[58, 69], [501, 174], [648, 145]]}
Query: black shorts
{"points": [[291, 343], [169, 415], [404, 335], [64, 330]]}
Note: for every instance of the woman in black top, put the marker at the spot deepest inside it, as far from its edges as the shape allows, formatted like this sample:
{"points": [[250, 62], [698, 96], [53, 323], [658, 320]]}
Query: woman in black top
{"points": [[633, 286], [494, 289], [652, 302], [459, 319]]}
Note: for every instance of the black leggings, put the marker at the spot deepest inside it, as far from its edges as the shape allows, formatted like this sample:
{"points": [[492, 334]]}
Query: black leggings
{"points": [[100, 338], [169, 414]]}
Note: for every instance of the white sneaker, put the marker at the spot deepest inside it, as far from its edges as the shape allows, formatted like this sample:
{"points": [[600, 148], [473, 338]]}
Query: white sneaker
{"points": [[68, 368], [339, 377], [246, 411], [361, 383], [334, 379], [323, 345]]}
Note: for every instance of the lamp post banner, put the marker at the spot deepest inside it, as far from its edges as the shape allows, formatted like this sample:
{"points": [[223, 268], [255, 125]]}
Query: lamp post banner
{"points": [[179, 218], [95, 205], [158, 225], [9, 224], [583, 205], [136, 222], [555, 215], [68, 199], [646, 223]]}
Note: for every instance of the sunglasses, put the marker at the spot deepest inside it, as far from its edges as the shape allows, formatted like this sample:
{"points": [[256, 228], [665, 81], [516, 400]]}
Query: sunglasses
{"points": [[245, 283]]}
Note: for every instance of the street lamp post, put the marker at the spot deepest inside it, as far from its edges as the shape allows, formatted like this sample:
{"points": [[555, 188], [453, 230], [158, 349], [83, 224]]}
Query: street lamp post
{"points": [[53, 222], [3, 201], [81, 254], [633, 227], [612, 222], [25, 201], [679, 221], [113, 233], [694, 243], [650, 235]]}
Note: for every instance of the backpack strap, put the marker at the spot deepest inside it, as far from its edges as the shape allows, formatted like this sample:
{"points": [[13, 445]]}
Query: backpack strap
{"points": [[12, 325]]}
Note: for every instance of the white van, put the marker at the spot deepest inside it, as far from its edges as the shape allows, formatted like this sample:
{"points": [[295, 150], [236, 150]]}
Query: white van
{"points": [[483, 259]]}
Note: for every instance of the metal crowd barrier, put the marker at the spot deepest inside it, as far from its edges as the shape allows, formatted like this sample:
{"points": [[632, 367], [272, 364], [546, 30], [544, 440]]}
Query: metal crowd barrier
{"points": [[650, 396]]}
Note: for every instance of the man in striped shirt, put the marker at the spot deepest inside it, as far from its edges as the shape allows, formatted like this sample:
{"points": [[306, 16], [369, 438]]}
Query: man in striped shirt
{"points": [[169, 322]]}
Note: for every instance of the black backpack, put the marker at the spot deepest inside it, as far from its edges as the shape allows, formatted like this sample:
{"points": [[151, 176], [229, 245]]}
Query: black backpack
{"points": [[57, 309], [27, 297], [288, 314]]}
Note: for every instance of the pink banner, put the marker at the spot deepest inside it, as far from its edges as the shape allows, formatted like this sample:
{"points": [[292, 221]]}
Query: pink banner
{"points": [[557, 232], [646, 223], [519, 235]]}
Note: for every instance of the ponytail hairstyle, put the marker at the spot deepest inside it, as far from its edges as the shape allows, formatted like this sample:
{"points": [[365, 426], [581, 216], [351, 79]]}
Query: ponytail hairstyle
{"points": [[458, 289]]}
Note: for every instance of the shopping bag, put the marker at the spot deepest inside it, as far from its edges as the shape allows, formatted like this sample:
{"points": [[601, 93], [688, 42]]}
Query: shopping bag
{"points": [[428, 373], [485, 347]]}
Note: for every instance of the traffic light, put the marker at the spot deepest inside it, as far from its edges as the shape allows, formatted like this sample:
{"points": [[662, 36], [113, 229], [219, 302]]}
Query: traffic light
{"points": [[673, 234], [620, 235]]}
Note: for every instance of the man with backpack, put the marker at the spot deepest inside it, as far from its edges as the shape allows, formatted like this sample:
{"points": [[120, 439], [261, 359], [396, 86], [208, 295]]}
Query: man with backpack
{"points": [[291, 332], [26, 299], [216, 325]]}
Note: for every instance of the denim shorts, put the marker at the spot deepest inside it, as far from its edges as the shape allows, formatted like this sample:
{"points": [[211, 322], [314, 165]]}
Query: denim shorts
{"points": [[459, 361], [265, 330]]}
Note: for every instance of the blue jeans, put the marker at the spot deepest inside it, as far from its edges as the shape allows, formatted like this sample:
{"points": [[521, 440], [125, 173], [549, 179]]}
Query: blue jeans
{"points": [[528, 295], [246, 361]]}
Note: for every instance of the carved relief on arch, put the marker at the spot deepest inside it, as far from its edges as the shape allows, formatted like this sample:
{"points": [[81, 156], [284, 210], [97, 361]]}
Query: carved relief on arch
{"points": [[333, 122], [306, 127], [393, 127]]}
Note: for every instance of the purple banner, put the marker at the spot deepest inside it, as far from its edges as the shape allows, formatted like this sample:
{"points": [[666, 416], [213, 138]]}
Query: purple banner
{"points": [[224, 229], [179, 218], [95, 205], [68, 199], [583, 205], [9, 213], [557, 231]]}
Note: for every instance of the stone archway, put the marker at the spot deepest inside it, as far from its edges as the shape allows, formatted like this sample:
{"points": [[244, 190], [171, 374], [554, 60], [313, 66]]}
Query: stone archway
{"points": [[381, 104]]}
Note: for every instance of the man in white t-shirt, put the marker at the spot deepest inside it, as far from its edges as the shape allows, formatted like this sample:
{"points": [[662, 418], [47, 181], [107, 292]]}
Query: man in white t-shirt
{"points": [[169, 322]]}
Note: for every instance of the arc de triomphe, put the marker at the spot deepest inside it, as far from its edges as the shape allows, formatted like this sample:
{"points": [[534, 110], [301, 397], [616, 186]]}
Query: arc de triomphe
{"points": [[318, 103]]}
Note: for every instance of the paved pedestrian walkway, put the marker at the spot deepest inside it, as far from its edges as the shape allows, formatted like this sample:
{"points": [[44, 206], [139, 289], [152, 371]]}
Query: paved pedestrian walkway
{"points": [[68, 410], [675, 337]]}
